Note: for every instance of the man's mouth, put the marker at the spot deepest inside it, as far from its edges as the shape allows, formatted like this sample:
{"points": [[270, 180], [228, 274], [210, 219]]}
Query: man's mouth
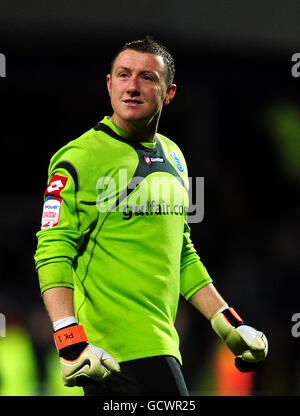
{"points": [[132, 101]]}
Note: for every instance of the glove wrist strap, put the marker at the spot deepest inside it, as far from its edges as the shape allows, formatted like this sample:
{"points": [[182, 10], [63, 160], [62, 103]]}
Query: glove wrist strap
{"points": [[232, 317], [69, 336], [62, 323]]}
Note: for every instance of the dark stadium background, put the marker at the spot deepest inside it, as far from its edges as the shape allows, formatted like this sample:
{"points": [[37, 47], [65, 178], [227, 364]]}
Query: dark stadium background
{"points": [[236, 117]]}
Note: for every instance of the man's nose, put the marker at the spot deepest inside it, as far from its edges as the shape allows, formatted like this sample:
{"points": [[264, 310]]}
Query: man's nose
{"points": [[133, 87]]}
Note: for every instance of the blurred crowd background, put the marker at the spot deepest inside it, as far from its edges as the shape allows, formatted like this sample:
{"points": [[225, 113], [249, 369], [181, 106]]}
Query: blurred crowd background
{"points": [[236, 117]]}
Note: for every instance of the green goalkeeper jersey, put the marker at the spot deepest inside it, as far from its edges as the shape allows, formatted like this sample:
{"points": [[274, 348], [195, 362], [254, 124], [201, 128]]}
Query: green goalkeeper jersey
{"points": [[114, 229]]}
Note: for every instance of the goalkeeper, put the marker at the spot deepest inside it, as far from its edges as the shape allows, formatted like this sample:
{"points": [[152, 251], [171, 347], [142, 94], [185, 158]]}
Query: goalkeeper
{"points": [[114, 251]]}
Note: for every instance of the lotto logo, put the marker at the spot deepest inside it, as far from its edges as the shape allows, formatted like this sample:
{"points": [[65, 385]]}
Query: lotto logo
{"points": [[56, 185], [149, 160]]}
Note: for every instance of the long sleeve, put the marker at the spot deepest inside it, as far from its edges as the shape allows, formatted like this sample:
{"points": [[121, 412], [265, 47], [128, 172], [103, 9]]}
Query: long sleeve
{"points": [[61, 232], [193, 274]]}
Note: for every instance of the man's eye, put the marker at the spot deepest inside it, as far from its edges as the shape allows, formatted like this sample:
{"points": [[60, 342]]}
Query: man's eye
{"points": [[122, 75], [148, 77]]}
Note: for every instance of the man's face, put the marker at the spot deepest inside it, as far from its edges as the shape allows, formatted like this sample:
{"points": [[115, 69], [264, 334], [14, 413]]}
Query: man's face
{"points": [[137, 87]]}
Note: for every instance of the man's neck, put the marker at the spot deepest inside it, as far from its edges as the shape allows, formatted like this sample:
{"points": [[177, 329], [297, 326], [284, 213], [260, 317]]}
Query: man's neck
{"points": [[138, 130]]}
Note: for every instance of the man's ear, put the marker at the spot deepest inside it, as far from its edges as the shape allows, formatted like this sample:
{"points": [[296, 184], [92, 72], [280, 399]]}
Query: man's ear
{"points": [[108, 83], [171, 90]]}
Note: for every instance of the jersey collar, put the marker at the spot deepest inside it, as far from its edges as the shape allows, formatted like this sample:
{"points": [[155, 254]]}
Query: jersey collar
{"points": [[107, 121]]}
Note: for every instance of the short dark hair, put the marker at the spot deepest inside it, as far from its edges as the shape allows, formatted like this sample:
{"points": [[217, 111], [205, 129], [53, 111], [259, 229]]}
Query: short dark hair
{"points": [[148, 45]]}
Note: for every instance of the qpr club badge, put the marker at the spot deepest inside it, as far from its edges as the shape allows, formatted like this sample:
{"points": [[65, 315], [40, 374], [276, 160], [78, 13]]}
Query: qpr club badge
{"points": [[177, 161]]}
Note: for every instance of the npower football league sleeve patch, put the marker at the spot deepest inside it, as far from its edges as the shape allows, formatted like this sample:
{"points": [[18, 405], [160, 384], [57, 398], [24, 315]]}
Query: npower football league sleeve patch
{"points": [[51, 212], [53, 201]]}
